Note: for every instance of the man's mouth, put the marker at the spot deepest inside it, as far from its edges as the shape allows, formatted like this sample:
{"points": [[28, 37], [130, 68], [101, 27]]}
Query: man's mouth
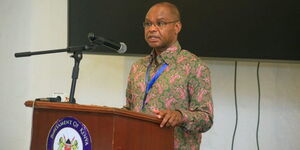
{"points": [[153, 38]]}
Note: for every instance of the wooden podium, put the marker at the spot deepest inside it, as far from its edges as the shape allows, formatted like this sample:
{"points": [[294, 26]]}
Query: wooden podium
{"points": [[109, 128]]}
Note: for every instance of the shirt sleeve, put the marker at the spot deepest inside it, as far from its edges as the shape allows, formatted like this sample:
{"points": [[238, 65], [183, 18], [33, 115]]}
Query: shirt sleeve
{"points": [[129, 104], [199, 115]]}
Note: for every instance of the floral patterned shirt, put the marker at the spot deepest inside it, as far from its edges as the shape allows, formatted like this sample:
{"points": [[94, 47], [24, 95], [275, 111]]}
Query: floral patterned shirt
{"points": [[183, 86]]}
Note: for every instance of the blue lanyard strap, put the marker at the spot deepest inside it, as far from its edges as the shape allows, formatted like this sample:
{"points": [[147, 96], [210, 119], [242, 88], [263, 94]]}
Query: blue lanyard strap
{"points": [[152, 81]]}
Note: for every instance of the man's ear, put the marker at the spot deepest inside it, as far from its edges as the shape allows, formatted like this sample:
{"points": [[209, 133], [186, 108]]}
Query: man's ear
{"points": [[178, 27]]}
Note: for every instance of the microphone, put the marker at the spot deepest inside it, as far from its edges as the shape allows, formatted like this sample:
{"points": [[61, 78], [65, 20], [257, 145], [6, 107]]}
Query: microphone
{"points": [[119, 47]]}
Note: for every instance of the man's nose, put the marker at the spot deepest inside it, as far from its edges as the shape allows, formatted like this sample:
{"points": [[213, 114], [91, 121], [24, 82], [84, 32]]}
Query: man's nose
{"points": [[153, 28]]}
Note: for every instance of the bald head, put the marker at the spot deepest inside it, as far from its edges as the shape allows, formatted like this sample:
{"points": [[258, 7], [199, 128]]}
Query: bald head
{"points": [[172, 9]]}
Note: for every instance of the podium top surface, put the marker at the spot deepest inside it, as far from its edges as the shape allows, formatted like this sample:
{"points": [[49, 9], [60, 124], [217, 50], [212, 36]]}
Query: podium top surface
{"points": [[91, 108]]}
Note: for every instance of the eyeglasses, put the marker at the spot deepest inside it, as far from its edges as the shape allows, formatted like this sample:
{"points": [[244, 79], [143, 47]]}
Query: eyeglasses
{"points": [[160, 24]]}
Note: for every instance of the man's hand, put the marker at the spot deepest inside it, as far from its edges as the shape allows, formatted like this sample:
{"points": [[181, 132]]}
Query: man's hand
{"points": [[170, 117]]}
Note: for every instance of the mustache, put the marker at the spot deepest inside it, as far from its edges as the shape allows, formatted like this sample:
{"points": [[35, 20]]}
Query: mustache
{"points": [[152, 36]]}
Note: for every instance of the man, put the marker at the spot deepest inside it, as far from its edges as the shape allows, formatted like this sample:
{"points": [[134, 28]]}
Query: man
{"points": [[171, 83]]}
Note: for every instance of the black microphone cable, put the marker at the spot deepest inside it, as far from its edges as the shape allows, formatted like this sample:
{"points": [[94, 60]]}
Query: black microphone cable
{"points": [[236, 106], [258, 109]]}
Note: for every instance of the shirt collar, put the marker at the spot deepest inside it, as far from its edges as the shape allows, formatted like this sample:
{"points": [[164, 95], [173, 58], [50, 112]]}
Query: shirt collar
{"points": [[168, 56]]}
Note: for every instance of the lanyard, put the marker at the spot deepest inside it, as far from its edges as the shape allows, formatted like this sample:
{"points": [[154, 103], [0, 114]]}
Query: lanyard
{"points": [[152, 81]]}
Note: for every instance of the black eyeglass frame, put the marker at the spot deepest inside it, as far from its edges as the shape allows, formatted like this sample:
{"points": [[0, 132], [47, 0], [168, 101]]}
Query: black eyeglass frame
{"points": [[159, 24]]}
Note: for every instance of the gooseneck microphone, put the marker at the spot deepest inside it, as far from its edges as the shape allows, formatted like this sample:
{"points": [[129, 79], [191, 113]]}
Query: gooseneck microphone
{"points": [[120, 47]]}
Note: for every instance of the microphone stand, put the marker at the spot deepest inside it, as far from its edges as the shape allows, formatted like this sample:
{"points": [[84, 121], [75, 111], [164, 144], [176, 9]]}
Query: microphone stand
{"points": [[77, 55]]}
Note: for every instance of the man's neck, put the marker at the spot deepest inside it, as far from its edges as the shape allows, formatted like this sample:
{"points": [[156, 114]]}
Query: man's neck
{"points": [[158, 51]]}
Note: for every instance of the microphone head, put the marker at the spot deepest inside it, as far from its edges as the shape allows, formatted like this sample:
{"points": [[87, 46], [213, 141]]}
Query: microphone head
{"points": [[123, 48], [91, 36]]}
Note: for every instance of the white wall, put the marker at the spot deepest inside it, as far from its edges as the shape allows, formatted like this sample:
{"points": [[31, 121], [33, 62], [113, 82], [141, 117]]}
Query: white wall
{"points": [[280, 106], [40, 25], [15, 75]]}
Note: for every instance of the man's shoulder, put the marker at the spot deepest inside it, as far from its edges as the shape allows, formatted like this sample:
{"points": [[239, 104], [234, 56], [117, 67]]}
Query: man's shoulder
{"points": [[190, 57], [194, 63], [141, 61], [187, 53]]}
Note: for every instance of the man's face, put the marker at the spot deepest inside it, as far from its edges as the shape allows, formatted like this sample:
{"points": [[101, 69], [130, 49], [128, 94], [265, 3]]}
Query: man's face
{"points": [[161, 37]]}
